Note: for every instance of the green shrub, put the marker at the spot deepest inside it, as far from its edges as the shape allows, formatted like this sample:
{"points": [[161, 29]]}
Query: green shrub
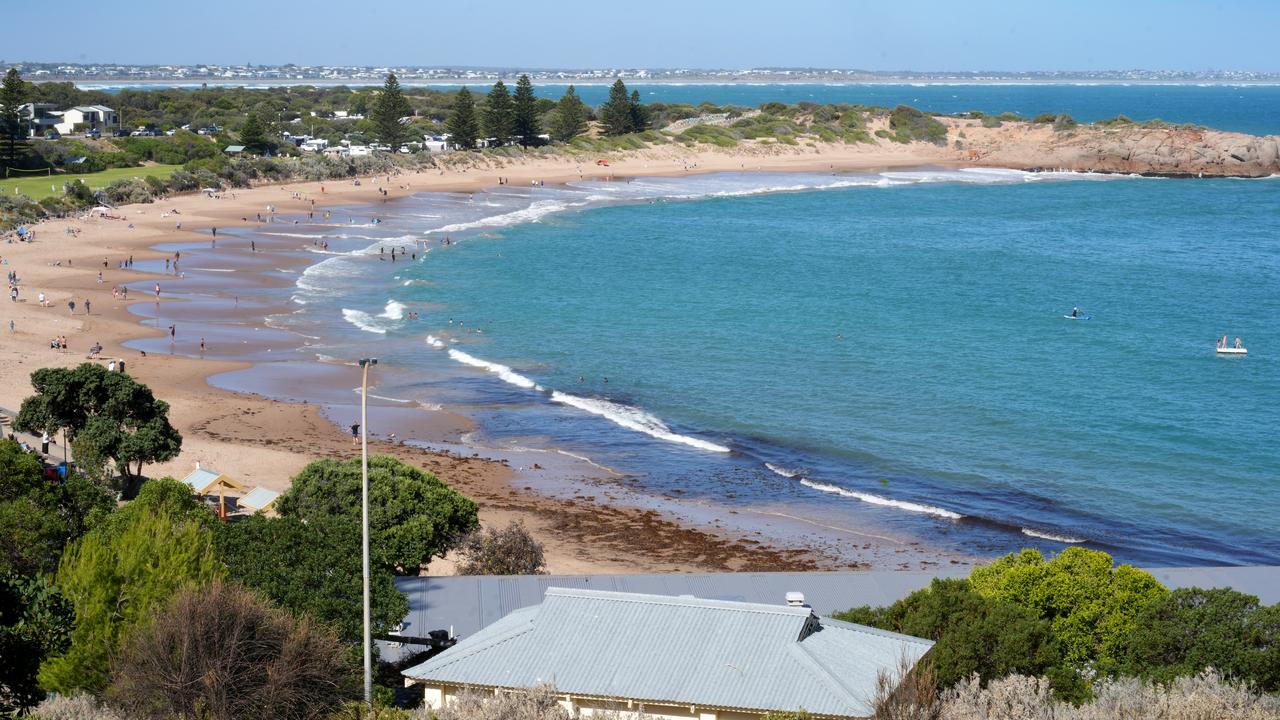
{"points": [[1190, 629], [910, 124], [1044, 118], [1091, 604], [991, 122], [974, 634]]}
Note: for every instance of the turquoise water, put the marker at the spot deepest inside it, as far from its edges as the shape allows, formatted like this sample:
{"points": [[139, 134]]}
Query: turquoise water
{"points": [[908, 343]]}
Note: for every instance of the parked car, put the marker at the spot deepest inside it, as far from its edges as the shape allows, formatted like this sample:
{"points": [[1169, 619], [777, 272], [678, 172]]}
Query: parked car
{"points": [[94, 134]]}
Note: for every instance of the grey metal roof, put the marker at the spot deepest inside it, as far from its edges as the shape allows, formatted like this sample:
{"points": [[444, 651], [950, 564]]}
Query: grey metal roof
{"points": [[685, 650], [466, 604]]}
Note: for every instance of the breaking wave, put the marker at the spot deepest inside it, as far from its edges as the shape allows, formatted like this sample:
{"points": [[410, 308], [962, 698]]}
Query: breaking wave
{"points": [[634, 419]]}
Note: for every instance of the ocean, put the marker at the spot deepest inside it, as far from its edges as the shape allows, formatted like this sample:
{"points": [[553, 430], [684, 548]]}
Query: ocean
{"points": [[883, 352], [1253, 109]]}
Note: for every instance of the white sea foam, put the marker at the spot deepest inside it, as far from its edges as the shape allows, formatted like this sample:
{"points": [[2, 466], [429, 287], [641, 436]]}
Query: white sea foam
{"points": [[394, 310], [502, 371], [1050, 536], [434, 342], [782, 471], [634, 419], [363, 320], [533, 213], [878, 500]]}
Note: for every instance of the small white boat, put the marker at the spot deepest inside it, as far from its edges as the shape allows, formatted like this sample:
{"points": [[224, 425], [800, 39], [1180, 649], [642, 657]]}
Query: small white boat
{"points": [[1232, 351]]}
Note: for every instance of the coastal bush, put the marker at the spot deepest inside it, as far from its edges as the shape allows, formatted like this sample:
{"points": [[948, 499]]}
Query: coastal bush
{"points": [[1091, 604], [221, 653], [80, 706], [509, 551], [18, 210], [974, 633], [991, 122], [1019, 697], [713, 134], [315, 571], [127, 191], [1044, 118], [79, 193], [1190, 629], [1064, 122], [911, 124], [35, 621], [413, 515], [114, 582], [38, 518]]}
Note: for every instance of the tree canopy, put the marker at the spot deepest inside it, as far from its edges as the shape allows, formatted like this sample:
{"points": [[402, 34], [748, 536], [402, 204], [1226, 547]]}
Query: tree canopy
{"points": [[118, 415], [569, 119], [498, 117], [13, 93], [413, 516], [388, 108], [115, 581], [616, 111], [315, 571], [253, 134], [462, 126], [526, 125]]}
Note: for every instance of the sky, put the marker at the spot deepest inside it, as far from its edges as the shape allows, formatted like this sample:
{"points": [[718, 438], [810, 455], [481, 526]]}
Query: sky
{"points": [[919, 35]]}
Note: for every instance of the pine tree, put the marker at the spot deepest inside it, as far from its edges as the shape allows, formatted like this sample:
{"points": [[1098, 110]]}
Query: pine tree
{"points": [[12, 94], [461, 125], [616, 111], [253, 134], [388, 108], [497, 117], [570, 117], [639, 113], [527, 127]]}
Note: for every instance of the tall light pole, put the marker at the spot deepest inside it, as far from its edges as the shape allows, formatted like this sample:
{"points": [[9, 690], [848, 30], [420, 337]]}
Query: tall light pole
{"points": [[364, 523]]}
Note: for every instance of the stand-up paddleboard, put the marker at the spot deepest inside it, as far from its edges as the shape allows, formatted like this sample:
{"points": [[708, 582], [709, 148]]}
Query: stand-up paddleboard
{"points": [[1233, 351], [1078, 317]]}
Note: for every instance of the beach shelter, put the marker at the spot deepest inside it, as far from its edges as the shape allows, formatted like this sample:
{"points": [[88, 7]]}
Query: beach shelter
{"points": [[259, 498], [204, 482]]}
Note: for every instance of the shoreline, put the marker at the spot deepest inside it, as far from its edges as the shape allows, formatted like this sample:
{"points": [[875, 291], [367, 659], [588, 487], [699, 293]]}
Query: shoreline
{"points": [[263, 441]]}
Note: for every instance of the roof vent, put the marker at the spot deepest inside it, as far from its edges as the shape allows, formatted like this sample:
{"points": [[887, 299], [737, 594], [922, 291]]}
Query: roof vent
{"points": [[795, 599]]}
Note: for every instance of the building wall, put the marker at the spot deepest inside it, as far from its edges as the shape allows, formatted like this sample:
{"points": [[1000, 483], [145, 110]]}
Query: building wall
{"points": [[436, 696]]}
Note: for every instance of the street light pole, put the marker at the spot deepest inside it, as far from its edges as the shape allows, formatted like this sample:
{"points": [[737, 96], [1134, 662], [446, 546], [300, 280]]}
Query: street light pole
{"points": [[364, 522]]}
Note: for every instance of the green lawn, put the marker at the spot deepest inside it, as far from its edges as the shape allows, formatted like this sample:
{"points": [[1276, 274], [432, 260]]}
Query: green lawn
{"points": [[42, 186]]}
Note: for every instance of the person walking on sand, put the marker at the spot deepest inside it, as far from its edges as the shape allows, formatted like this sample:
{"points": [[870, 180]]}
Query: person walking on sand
{"points": [[355, 433], [201, 346], [86, 306], [44, 443], [173, 334], [71, 306]]}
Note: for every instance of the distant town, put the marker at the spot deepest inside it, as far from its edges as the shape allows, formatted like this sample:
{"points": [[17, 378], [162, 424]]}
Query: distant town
{"points": [[337, 74]]}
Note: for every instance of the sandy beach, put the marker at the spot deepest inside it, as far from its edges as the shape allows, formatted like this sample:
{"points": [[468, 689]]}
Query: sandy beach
{"points": [[264, 442]]}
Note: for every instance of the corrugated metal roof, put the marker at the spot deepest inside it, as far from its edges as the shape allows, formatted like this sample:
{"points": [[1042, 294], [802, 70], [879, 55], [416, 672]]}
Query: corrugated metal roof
{"points": [[200, 479], [259, 498], [685, 650]]}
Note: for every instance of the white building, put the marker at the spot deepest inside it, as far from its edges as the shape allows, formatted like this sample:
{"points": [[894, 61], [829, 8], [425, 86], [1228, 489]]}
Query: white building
{"points": [[88, 117]]}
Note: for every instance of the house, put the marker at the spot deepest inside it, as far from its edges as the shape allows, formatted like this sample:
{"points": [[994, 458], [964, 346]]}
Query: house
{"points": [[39, 118], [86, 117], [673, 657]]}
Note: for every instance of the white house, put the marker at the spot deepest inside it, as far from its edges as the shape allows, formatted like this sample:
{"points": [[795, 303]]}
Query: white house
{"points": [[89, 117], [673, 657], [39, 117]]}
